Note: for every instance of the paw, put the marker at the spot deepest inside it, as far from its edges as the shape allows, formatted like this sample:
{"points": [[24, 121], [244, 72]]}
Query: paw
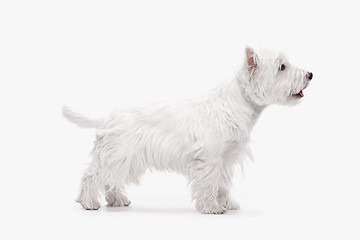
{"points": [[211, 209], [117, 202], [229, 204], [127, 202], [232, 205], [92, 205]]}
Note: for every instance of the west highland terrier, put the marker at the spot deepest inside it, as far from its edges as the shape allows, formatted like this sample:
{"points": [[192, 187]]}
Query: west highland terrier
{"points": [[202, 139]]}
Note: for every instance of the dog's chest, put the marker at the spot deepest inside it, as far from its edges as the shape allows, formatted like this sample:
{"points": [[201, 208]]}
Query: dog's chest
{"points": [[239, 127]]}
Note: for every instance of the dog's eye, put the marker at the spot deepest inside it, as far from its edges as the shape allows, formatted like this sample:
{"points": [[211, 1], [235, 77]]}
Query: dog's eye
{"points": [[282, 67]]}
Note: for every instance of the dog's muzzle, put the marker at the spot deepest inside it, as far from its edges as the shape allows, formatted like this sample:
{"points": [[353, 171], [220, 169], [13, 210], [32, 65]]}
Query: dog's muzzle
{"points": [[309, 76], [300, 94]]}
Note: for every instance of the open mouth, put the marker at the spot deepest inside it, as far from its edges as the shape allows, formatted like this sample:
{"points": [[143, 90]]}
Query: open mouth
{"points": [[298, 95]]}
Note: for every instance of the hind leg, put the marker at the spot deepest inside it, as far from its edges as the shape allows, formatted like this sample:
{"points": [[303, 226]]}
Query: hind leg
{"points": [[88, 197], [115, 197]]}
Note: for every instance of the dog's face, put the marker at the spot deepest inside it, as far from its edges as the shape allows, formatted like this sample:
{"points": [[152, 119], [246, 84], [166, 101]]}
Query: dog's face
{"points": [[271, 79]]}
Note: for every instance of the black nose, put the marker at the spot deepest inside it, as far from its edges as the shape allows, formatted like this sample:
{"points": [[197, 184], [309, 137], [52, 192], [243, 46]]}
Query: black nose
{"points": [[309, 75]]}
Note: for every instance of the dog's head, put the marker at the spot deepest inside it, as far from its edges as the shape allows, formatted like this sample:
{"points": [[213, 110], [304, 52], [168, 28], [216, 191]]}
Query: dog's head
{"points": [[268, 78]]}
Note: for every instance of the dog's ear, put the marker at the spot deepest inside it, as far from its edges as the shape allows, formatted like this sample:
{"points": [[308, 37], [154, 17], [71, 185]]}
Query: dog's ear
{"points": [[251, 59]]}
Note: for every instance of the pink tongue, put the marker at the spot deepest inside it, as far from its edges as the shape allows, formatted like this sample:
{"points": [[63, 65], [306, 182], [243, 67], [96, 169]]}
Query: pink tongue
{"points": [[301, 93]]}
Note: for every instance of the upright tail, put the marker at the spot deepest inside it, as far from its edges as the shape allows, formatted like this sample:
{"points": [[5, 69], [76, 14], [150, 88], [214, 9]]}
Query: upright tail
{"points": [[80, 120]]}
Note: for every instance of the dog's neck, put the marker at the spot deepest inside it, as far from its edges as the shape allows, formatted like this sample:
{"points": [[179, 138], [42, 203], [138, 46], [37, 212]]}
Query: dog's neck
{"points": [[240, 99], [240, 111]]}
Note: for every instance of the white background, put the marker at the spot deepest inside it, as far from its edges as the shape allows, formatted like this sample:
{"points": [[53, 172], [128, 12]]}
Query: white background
{"points": [[98, 55]]}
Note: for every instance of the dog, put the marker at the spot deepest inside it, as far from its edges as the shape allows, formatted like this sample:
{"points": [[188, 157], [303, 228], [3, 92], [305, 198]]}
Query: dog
{"points": [[202, 139]]}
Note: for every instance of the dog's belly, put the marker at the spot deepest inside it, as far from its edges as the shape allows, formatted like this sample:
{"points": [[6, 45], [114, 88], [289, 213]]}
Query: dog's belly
{"points": [[123, 150]]}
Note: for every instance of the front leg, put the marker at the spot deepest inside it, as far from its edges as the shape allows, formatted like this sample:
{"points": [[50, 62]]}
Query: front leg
{"points": [[205, 177], [223, 196], [226, 201]]}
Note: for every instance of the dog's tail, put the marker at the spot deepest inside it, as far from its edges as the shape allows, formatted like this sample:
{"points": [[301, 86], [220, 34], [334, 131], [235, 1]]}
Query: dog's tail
{"points": [[80, 120]]}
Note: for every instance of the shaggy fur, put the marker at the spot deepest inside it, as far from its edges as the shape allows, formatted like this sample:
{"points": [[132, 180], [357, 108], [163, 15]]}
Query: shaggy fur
{"points": [[202, 139]]}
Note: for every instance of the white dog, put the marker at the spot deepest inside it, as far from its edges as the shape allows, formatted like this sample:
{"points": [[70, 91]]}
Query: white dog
{"points": [[201, 139]]}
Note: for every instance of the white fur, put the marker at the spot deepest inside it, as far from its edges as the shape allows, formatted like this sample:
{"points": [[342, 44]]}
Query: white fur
{"points": [[201, 139]]}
